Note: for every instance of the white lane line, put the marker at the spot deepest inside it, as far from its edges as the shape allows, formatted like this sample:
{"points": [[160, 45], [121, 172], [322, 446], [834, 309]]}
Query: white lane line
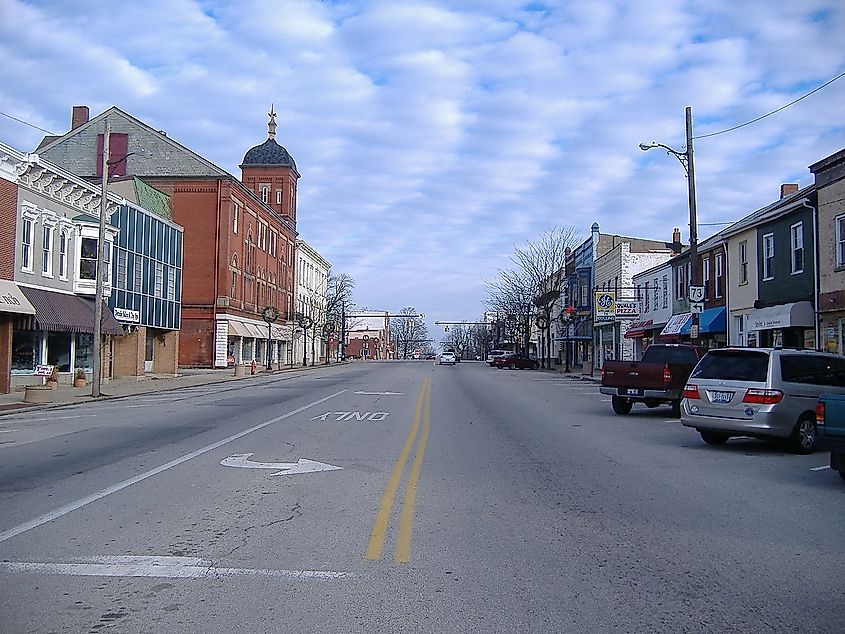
{"points": [[827, 466], [69, 508], [35, 420], [160, 567], [380, 393], [7, 431]]}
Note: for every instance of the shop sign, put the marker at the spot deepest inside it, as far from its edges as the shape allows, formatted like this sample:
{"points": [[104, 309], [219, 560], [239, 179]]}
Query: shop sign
{"points": [[605, 306], [767, 324], [627, 308], [127, 315], [43, 370], [221, 341]]}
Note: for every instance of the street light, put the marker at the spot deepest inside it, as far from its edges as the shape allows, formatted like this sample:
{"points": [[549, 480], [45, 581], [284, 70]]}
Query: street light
{"points": [[686, 160]]}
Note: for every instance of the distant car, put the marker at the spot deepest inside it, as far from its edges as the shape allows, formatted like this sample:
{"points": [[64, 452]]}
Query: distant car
{"points": [[760, 392], [430, 356], [496, 353], [515, 362], [447, 358]]}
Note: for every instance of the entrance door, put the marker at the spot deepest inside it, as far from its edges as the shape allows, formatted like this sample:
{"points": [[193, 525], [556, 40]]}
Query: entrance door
{"points": [[148, 351]]}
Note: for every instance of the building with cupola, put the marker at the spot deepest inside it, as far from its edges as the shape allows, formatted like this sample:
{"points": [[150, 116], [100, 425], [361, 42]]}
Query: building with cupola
{"points": [[239, 234]]}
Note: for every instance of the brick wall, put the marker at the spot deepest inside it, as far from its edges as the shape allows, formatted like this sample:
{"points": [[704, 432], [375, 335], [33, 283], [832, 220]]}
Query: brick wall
{"points": [[8, 216], [196, 341]]}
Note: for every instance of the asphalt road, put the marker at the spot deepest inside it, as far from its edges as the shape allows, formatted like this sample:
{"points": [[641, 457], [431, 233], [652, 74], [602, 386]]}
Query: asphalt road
{"points": [[407, 497]]}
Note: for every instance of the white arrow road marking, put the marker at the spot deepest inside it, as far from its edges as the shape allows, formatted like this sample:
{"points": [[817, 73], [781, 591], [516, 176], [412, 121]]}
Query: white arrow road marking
{"points": [[380, 393], [303, 465], [827, 466], [114, 488], [160, 567]]}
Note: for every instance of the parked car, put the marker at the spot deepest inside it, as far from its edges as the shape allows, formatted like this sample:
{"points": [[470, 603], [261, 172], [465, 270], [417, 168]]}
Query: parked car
{"points": [[496, 353], [515, 362], [430, 356], [768, 393], [830, 429], [658, 378], [447, 357]]}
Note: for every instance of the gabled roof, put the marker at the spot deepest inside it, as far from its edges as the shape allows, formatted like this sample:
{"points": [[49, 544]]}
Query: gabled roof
{"points": [[210, 169], [770, 212]]}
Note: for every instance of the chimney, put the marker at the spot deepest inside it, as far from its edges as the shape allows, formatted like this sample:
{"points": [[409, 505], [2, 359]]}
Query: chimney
{"points": [[788, 188], [676, 235], [79, 117]]}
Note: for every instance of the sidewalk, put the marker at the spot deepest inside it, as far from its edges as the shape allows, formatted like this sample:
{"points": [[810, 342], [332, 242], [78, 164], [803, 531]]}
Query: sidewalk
{"points": [[66, 394]]}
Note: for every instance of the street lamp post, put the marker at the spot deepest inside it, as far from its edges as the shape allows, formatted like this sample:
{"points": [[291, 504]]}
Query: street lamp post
{"points": [[305, 323], [270, 314], [686, 160]]}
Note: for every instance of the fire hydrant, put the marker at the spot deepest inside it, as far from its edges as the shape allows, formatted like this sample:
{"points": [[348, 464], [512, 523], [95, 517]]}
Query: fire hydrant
{"points": [[252, 367]]}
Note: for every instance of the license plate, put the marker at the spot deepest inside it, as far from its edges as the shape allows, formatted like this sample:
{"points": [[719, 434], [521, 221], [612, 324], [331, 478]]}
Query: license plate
{"points": [[630, 391], [721, 397]]}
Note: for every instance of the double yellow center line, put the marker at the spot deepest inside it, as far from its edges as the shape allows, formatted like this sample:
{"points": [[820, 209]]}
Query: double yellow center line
{"points": [[375, 546]]}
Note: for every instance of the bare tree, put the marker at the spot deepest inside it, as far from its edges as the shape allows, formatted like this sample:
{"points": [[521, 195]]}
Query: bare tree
{"points": [[528, 290], [408, 331], [338, 298], [458, 338]]}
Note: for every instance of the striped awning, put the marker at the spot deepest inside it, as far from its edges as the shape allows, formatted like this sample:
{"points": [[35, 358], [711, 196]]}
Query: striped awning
{"points": [[68, 313]]}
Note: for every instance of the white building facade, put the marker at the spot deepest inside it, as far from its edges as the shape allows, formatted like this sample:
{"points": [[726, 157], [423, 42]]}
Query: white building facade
{"points": [[312, 281]]}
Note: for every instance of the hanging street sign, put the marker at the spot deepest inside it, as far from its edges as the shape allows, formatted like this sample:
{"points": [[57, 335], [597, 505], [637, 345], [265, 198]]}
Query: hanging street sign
{"points": [[605, 306]]}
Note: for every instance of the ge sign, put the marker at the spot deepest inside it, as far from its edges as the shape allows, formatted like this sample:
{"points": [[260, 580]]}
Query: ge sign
{"points": [[696, 293]]}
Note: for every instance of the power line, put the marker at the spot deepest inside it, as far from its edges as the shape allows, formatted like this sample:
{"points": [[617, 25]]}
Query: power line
{"points": [[31, 125], [791, 103]]}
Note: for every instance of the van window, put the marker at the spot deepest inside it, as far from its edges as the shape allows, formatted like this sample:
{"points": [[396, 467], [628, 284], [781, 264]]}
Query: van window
{"points": [[733, 365], [798, 368], [830, 370]]}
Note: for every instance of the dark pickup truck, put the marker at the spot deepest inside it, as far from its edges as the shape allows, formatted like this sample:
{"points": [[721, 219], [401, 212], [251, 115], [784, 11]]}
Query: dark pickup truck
{"points": [[830, 429], [659, 378]]}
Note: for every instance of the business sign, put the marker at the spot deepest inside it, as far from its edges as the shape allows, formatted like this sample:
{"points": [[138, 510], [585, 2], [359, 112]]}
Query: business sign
{"points": [[43, 370], [221, 343], [605, 306], [627, 308], [126, 315]]}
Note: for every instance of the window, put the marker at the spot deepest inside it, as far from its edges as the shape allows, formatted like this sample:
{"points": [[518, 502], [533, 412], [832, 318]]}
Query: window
{"points": [[171, 283], [719, 273], [647, 297], [768, 256], [26, 245], [118, 152], [733, 365], [278, 196], [796, 235], [235, 213], [47, 252], [743, 262], [107, 264], [706, 264], [680, 281], [88, 259], [137, 275], [122, 257], [265, 193], [840, 240], [159, 280], [739, 330], [63, 240]]}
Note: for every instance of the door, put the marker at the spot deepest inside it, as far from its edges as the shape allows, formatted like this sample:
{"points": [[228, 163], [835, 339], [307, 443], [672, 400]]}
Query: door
{"points": [[149, 347]]}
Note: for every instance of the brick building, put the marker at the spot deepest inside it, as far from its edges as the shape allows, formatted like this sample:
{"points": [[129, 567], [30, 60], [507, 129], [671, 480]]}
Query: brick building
{"points": [[239, 235]]}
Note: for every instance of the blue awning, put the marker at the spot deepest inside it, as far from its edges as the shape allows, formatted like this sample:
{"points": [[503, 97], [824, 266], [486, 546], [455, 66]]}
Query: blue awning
{"points": [[712, 320]]}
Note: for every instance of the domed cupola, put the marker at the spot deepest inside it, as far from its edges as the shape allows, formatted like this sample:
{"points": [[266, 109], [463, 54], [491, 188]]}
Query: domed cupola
{"points": [[270, 171]]}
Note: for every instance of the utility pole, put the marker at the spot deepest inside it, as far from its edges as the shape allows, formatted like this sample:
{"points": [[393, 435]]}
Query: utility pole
{"points": [[101, 251], [695, 267]]}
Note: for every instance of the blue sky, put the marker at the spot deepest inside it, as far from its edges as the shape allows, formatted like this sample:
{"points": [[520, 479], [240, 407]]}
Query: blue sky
{"points": [[434, 136]]}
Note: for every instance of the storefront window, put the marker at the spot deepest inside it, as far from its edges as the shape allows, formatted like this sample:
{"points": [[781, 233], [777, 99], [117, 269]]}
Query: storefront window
{"points": [[249, 347], [84, 351], [58, 350], [25, 350]]}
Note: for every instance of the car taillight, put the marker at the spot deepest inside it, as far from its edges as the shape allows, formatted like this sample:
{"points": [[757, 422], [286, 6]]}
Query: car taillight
{"points": [[691, 391], [667, 374], [762, 397], [820, 413]]}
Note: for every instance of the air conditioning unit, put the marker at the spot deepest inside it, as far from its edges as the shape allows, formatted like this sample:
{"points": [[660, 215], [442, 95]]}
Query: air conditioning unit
{"points": [[222, 302]]}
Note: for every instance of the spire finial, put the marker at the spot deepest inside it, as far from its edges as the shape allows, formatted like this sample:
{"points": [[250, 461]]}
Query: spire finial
{"points": [[271, 127]]}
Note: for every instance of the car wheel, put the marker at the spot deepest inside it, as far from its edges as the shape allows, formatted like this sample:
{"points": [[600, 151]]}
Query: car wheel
{"points": [[621, 405], [713, 437], [676, 408], [803, 439], [512, 366], [536, 366], [651, 403]]}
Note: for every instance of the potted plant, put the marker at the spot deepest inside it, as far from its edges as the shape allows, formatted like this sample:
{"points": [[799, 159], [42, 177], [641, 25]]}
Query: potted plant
{"points": [[53, 379], [79, 378]]}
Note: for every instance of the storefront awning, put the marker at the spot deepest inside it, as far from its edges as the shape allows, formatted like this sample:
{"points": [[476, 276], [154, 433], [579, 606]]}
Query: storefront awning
{"points": [[12, 299], [795, 315], [710, 321], [68, 313], [256, 331], [638, 329], [238, 329], [674, 325]]}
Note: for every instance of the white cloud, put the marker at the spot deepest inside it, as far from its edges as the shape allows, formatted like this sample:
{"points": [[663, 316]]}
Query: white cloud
{"points": [[432, 136]]}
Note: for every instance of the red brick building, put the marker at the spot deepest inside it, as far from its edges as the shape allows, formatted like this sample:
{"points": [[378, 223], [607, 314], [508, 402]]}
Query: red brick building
{"points": [[239, 234]]}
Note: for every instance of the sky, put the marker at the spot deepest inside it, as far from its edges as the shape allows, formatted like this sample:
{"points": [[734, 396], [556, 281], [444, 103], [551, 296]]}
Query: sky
{"points": [[434, 137]]}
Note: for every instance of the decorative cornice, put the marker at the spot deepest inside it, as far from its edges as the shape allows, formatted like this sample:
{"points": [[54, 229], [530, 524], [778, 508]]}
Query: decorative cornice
{"points": [[61, 189]]}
